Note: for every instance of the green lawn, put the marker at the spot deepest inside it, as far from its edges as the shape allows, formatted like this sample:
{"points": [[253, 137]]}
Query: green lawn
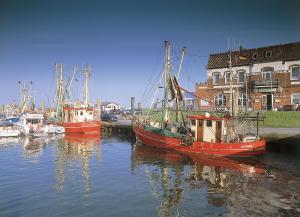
{"points": [[282, 119], [279, 119]]}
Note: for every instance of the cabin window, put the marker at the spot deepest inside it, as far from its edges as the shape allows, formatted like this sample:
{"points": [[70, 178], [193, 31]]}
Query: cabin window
{"points": [[220, 100], [193, 122], [32, 121], [227, 77], [208, 123], [241, 76], [216, 78], [81, 113], [295, 73], [267, 73]]}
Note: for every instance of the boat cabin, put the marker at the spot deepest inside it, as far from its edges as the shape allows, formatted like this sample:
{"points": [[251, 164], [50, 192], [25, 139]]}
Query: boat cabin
{"points": [[75, 115], [207, 128], [31, 118]]}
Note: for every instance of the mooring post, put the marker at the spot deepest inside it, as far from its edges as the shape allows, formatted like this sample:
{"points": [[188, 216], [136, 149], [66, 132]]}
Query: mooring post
{"points": [[132, 105]]}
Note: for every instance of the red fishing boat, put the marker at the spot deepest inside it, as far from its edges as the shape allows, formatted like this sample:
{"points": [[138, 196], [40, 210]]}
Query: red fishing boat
{"points": [[197, 134], [81, 120], [205, 137], [81, 117]]}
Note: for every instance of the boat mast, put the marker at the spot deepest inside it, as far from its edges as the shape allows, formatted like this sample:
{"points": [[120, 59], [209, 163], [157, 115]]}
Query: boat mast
{"points": [[86, 85], [166, 82], [183, 50]]}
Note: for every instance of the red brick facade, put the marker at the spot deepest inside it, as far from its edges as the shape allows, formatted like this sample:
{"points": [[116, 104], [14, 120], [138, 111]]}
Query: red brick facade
{"points": [[256, 89]]}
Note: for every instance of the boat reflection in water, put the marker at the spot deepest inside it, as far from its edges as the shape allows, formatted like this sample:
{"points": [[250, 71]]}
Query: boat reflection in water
{"points": [[33, 147], [76, 150], [171, 173]]}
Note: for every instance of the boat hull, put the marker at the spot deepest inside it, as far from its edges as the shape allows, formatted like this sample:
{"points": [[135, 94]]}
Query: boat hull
{"points": [[240, 149], [88, 127]]}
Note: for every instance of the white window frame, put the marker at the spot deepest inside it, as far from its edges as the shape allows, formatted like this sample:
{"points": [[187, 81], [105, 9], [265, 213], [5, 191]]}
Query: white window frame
{"points": [[267, 70], [238, 72], [213, 77], [242, 100], [221, 97], [292, 97], [225, 77], [268, 54], [291, 71]]}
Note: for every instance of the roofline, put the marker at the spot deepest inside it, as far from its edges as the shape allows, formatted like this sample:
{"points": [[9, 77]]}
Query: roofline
{"points": [[253, 49]]}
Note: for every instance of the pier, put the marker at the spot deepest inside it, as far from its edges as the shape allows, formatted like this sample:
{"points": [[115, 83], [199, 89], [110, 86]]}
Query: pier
{"points": [[120, 126]]}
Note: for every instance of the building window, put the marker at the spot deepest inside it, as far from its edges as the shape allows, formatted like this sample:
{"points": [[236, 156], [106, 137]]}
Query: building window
{"points": [[268, 54], [254, 56], [216, 78], [220, 100], [295, 73], [81, 113], [227, 77], [267, 73], [242, 101], [208, 123], [295, 99], [241, 76]]}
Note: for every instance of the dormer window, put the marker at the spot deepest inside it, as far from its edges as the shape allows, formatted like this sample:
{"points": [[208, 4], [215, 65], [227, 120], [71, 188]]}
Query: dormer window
{"points": [[268, 54], [216, 78], [254, 56]]}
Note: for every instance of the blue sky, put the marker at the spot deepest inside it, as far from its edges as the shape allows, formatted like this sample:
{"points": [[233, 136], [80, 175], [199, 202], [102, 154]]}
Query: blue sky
{"points": [[123, 40]]}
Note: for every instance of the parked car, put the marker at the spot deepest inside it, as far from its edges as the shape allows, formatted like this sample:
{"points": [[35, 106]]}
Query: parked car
{"points": [[108, 117]]}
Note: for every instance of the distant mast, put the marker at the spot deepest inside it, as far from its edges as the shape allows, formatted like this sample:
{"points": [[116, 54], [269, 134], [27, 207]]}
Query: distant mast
{"points": [[86, 85]]}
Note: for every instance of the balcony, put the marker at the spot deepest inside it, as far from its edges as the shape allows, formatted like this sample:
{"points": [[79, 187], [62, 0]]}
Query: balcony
{"points": [[265, 83]]}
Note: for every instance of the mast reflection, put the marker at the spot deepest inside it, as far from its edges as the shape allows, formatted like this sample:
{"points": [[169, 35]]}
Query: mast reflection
{"points": [[171, 173], [76, 149]]}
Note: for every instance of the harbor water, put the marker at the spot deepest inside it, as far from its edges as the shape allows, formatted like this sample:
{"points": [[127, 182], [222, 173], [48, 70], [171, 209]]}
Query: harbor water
{"points": [[115, 176]]}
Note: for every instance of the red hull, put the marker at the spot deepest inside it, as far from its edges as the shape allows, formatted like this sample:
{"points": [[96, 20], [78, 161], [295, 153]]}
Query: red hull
{"points": [[88, 127], [241, 149]]}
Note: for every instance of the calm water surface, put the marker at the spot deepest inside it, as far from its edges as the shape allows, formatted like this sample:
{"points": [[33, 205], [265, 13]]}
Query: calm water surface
{"points": [[113, 176]]}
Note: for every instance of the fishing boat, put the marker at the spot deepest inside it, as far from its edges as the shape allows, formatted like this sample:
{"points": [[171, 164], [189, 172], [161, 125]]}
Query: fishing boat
{"points": [[197, 134], [81, 117]]}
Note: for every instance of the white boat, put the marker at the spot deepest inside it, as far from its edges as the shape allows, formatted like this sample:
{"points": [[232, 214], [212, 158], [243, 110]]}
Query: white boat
{"points": [[33, 124], [8, 130], [55, 129]]}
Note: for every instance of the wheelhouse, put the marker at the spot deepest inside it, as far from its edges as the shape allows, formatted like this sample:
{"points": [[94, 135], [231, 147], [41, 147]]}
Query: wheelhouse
{"points": [[206, 128]]}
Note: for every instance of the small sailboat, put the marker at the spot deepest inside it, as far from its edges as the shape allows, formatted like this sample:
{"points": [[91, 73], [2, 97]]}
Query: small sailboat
{"points": [[197, 134]]}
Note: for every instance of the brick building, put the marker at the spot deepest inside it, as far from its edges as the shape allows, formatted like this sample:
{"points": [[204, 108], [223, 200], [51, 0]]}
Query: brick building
{"points": [[262, 78]]}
